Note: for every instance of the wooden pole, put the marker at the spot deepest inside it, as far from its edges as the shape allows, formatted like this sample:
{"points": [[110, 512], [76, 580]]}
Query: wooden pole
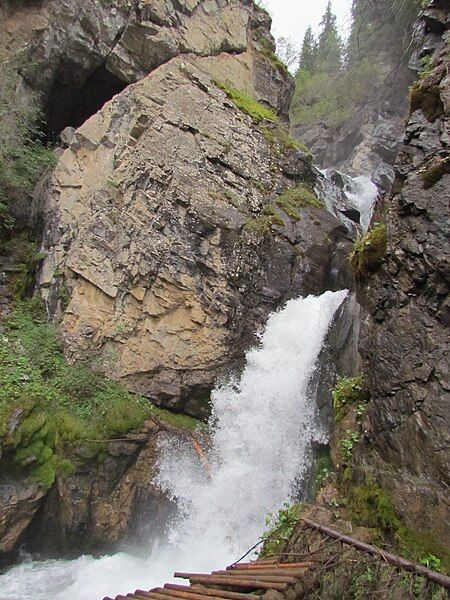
{"points": [[396, 561]]}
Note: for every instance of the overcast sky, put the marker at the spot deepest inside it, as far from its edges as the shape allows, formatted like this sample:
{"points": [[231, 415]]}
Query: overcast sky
{"points": [[292, 17]]}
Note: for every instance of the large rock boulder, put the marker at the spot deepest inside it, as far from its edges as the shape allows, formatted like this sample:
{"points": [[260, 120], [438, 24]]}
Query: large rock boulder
{"points": [[162, 220]]}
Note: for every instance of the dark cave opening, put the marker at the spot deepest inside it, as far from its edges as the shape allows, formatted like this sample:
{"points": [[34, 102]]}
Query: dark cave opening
{"points": [[72, 102]]}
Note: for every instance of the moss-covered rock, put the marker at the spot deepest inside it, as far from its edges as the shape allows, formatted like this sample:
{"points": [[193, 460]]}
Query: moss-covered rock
{"points": [[369, 251], [294, 199], [257, 111]]}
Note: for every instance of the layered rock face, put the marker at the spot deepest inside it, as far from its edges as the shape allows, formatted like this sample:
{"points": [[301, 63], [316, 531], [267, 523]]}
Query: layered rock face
{"points": [[405, 332], [158, 220], [161, 221], [78, 54]]}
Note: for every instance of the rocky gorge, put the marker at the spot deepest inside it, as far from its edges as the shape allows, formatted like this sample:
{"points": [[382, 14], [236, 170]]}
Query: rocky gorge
{"points": [[180, 213]]}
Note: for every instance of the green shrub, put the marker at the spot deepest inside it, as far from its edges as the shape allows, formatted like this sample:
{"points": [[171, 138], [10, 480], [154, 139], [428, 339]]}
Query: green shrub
{"points": [[257, 111], [26, 259], [349, 391], [280, 529], [23, 155], [58, 406], [369, 251]]}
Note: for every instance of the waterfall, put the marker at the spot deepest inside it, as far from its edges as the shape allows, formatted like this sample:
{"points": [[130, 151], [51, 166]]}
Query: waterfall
{"points": [[262, 427], [349, 199]]}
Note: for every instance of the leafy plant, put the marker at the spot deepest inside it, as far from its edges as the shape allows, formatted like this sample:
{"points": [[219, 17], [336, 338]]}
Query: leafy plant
{"points": [[349, 391], [431, 562], [280, 529], [347, 444]]}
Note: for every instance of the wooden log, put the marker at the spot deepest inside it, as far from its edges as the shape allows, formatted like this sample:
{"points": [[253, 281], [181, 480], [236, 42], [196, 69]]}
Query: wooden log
{"points": [[262, 572], [208, 591], [239, 583], [258, 566], [396, 561], [149, 595], [277, 578], [189, 594]]}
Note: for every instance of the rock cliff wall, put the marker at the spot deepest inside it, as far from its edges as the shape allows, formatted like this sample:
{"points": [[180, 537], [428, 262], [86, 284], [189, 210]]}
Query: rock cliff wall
{"points": [[404, 338]]}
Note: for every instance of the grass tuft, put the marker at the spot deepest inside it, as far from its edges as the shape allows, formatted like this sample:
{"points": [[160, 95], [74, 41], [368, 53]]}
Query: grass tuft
{"points": [[369, 251], [257, 111]]}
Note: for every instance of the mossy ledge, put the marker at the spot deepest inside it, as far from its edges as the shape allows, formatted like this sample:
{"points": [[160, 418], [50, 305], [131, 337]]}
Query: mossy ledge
{"points": [[369, 251], [369, 505], [251, 107], [293, 199], [262, 225]]}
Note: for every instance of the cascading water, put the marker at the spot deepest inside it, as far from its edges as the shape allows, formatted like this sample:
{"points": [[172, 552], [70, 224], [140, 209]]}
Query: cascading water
{"points": [[344, 195], [262, 428]]}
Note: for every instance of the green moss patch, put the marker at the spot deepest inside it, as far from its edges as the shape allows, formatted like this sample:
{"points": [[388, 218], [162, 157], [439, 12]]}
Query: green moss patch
{"points": [[369, 505], [434, 171], [369, 251], [427, 99], [277, 62], [262, 225], [257, 111], [277, 135], [48, 408], [293, 199]]}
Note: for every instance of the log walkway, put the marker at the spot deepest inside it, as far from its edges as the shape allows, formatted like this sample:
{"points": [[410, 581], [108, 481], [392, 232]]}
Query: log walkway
{"points": [[241, 581], [236, 582]]}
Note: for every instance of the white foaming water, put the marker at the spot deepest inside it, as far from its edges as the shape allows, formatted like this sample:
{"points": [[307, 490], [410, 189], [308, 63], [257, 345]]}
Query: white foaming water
{"points": [[261, 430], [341, 192], [362, 194]]}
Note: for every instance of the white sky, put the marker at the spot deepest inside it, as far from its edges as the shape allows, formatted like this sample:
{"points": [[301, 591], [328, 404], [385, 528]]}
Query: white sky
{"points": [[292, 17]]}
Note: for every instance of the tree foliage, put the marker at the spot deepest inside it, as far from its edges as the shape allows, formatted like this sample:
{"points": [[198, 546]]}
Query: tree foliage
{"points": [[332, 80], [329, 47], [23, 155], [308, 53]]}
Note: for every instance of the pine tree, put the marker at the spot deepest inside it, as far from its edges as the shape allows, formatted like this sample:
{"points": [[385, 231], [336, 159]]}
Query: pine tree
{"points": [[308, 53], [330, 47]]}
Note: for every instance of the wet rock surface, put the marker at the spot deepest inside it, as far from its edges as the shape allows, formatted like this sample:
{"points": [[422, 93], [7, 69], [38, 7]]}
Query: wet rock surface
{"points": [[405, 331], [109, 499]]}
